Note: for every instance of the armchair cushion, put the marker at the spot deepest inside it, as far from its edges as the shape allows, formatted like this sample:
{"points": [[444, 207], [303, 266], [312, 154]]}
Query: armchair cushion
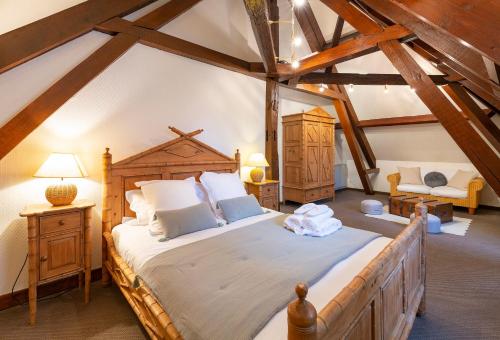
{"points": [[461, 179], [449, 192], [418, 189], [410, 176]]}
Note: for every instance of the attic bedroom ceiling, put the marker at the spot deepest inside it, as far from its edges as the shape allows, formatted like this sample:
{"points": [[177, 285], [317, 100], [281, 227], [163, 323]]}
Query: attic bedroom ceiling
{"points": [[409, 34]]}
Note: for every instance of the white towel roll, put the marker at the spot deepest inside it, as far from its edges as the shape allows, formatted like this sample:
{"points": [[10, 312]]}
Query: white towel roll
{"points": [[304, 208], [294, 221], [313, 222], [318, 210], [327, 227]]}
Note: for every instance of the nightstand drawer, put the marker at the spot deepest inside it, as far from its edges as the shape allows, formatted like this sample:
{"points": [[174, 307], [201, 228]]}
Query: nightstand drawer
{"points": [[60, 222], [268, 190], [270, 202], [60, 254]]}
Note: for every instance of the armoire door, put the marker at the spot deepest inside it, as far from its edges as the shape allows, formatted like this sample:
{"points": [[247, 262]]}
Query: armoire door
{"points": [[292, 154], [327, 154], [313, 154]]}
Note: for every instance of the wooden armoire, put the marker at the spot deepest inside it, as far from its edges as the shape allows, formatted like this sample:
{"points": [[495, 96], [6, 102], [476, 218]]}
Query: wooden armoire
{"points": [[308, 156]]}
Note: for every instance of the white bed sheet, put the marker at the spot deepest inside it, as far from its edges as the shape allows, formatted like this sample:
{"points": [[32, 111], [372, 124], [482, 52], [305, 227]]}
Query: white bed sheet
{"points": [[136, 246]]}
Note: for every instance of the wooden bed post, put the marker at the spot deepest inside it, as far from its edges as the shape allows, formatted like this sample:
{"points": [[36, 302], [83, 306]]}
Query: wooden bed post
{"points": [[106, 212], [421, 211], [302, 322]]}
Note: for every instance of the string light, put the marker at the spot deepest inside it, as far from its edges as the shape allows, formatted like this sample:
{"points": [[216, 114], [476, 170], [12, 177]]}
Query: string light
{"points": [[295, 64], [351, 88], [299, 2], [322, 88], [386, 89], [297, 41], [412, 89]]}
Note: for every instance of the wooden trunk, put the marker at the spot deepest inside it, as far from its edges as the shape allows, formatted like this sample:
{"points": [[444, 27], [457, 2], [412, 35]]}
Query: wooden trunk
{"points": [[308, 156], [396, 203], [442, 210], [408, 206]]}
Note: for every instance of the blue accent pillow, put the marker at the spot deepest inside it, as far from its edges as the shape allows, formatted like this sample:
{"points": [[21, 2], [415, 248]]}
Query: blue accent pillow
{"points": [[237, 208], [435, 179], [185, 221]]}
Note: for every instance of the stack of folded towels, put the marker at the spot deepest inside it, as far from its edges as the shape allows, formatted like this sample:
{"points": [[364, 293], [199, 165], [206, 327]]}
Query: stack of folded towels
{"points": [[313, 220]]}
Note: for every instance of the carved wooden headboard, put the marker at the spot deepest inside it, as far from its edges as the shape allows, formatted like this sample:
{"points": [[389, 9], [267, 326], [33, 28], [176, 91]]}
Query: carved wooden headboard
{"points": [[180, 158]]}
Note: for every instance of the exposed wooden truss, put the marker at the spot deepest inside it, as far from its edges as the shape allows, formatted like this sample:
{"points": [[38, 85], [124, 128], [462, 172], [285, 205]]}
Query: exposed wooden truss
{"points": [[381, 24], [27, 42], [362, 79]]}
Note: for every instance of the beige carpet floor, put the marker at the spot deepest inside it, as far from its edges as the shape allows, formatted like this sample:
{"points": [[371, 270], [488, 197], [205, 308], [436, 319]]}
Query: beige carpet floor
{"points": [[463, 288]]}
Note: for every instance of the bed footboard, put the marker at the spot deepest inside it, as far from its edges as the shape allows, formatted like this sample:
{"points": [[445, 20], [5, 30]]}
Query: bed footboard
{"points": [[379, 303], [153, 317]]}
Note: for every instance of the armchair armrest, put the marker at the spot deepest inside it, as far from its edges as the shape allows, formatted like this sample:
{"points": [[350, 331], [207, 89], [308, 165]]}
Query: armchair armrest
{"points": [[393, 182], [477, 184]]}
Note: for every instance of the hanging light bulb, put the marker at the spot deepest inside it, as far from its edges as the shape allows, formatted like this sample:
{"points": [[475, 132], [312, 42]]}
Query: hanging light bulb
{"points": [[412, 89], [297, 41], [295, 64], [299, 2], [351, 88], [321, 89], [386, 89]]}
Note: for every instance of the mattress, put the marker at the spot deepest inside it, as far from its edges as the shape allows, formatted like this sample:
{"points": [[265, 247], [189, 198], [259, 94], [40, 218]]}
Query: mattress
{"points": [[136, 246]]}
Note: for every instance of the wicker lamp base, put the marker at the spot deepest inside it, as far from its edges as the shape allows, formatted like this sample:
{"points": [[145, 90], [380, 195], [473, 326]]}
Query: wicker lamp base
{"points": [[61, 194], [257, 175]]}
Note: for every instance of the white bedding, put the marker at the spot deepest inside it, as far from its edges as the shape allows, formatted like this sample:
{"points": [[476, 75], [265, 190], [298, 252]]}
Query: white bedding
{"points": [[136, 246]]}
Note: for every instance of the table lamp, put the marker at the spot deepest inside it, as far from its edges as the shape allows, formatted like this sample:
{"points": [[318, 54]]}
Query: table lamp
{"points": [[257, 160], [61, 165]]}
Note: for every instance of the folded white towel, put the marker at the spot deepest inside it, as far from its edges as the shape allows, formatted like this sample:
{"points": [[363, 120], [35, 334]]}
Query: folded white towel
{"points": [[313, 222], [304, 208], [293, 221], [327, 227], [318, 210]]}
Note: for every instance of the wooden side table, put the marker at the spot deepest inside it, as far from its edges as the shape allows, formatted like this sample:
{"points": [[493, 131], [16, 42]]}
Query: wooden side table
{"points": [[266, 192], [59, 245]]}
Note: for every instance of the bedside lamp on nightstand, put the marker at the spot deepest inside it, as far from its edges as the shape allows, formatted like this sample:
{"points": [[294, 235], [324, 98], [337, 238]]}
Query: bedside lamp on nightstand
{"points": [[61, 165], [258, 161]]}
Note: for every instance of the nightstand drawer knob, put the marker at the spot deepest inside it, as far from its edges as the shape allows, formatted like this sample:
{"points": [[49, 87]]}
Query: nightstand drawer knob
{"points": [[61, 222], [43, 258]]}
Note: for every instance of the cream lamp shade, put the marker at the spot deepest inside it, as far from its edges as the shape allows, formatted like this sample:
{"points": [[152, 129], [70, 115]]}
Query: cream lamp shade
{"points": [[257, 160], [61, 165]]}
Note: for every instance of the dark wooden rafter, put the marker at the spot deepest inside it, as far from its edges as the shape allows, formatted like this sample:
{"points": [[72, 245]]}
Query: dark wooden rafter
{"points": [[362, 79], [35, 113], [257, 12], [272, 103], [474, 22], [26, 43], [337, 34], [274, 15], [314, 90], [476, 115], [337, 54], [348, 117], [485, 160], [435, 37]]}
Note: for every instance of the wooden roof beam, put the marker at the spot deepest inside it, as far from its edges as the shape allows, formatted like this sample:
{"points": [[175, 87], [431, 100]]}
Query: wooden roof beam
{"points": [[362, 79], [257, 12], [330, 56], [32, 40], [36, 112]]}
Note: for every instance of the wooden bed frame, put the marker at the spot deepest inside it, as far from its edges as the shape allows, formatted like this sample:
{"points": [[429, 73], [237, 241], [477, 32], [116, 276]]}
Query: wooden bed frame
{"points": [[380, 302]]}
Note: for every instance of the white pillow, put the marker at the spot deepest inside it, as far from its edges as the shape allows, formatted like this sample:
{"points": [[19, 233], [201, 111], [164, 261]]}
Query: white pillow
{"points": [[461, 179], [170, 194], [410, 176], [144, 212], [222, 186]]}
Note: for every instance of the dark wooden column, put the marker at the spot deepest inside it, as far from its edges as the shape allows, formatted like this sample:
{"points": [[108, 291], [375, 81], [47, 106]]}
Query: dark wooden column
{"points": [[272, 105]]}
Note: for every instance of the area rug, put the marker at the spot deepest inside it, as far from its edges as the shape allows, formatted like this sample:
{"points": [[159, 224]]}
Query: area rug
{"points": [[458, 226]]}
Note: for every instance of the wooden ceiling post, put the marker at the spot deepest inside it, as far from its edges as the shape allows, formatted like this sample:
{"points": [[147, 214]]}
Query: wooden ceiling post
{"points": [[347, 126], [272, 106], [257, 12], [349, 119], [476, 115], [36, 112]]}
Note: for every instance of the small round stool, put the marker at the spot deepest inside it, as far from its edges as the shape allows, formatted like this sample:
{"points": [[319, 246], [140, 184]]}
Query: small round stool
{"points": [[372, 207], [433, 223]]}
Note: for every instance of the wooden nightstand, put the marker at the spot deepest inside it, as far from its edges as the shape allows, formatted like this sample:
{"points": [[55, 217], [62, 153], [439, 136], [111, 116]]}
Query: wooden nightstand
{"points": [[59, 245], [266, 192]]}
